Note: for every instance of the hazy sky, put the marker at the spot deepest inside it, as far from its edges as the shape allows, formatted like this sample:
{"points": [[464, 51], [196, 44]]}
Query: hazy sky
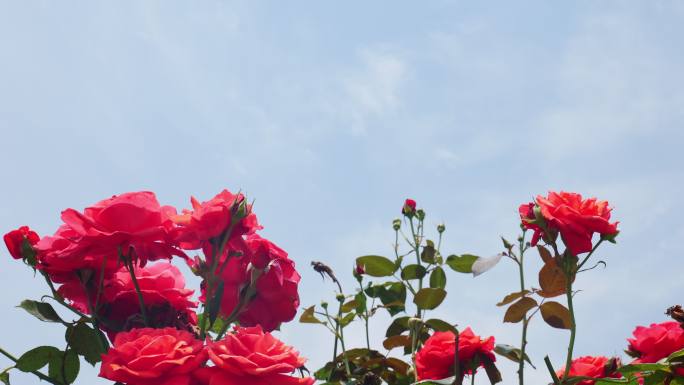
{"points": [[329, 115]]}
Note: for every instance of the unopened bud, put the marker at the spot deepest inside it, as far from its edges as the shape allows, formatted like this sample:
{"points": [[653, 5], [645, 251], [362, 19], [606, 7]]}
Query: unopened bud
{"points": [[409, 208], [396, 224], [324, 305], [340, 297], [507, 245], [441, 228], [420, 214]]}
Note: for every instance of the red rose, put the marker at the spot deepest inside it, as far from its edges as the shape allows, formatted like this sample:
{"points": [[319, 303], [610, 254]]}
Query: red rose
{"points": [[162, 285], [435, 360], [250, 356], [209, 219], [409, 207], [594, 367], [576, 219], [14, 240], [131, 221], [653, 343], [276, 299], [153, 357], [526, 216]]}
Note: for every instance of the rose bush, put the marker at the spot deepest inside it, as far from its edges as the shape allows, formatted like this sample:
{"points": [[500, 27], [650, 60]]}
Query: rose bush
{"points": [[112, 266]]}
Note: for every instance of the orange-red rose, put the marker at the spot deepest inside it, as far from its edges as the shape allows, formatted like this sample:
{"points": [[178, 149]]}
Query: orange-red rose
{"points": [[153, 357], [575, 218], [594, 367], [435, 360], [250, 356], [653, 343], [15, 239]]}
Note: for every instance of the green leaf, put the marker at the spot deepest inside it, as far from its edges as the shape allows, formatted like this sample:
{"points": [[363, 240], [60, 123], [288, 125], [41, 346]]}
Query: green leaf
{"points": [[87, 342], [637, 368], [376, 266], [64, 367], [518, 310], [440, 326], [413, 272], [438, 278], [4, 378], [429, 298], [393, 297], [36, 358], [675, 355], [556, 315], [346, 320], [462, 263], [511, 352], [308, 316], [398, 326], [360, 300], [429, 252], [41, 310]]}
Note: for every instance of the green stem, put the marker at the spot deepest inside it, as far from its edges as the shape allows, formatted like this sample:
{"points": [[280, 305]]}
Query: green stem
{"points": [[523, 342], [589, 255], [549, 366], [472, 378], [416, 246], [37, 373], [573, 326], [61, 301], [141, 301], [366, 317], [344, 351]]}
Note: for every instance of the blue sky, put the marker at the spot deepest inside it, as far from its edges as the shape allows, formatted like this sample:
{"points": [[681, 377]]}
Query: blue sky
{"points": [[330, 115]]}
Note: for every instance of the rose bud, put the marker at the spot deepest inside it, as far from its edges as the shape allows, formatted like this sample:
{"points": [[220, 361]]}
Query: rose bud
{"points": [[14, 240], [409, 208]]}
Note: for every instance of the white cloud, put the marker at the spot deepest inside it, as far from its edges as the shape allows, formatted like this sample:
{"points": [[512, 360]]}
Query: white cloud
{"points": [[375, 89]]}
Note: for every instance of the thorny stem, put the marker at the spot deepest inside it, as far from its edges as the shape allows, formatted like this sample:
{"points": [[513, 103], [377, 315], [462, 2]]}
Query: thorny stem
{"points": [[573, 326], [61, 301], [458, 378], [141, 301]]}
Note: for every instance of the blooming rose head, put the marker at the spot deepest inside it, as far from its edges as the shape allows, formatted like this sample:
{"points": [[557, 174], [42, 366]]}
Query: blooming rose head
{"points": [[409, 208], [14, 240], [435, 360], [653, 343], [275, 298], [211, 219], [162, 285], [250, 356], [131, 223], [576, 219], [594, 367], [153, 357]]}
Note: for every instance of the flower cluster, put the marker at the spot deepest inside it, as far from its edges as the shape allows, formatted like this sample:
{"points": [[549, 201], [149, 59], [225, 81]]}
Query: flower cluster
{"points": [[111, 264]]}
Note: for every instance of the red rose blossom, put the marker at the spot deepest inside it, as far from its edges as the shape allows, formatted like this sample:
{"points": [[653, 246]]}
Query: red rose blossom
{"points": [[208, 220], [576, 219], [594, 367], [653, 343], [15, 239], [250, 356], [276, 298], [162, 285], [153, 357], [435, 360], [128, 223]]}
